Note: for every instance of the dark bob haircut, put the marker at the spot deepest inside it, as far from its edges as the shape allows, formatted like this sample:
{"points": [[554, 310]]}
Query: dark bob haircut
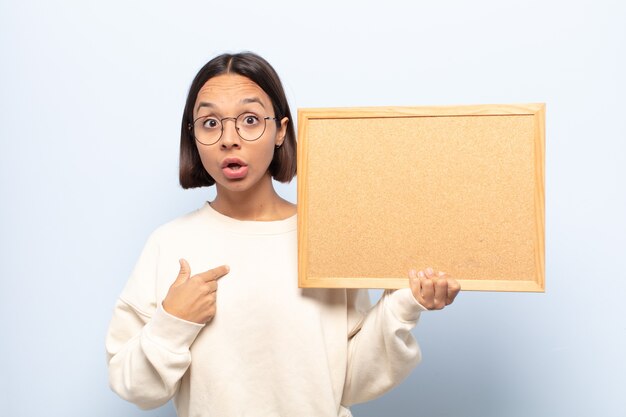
{"points": [[283, 166]]}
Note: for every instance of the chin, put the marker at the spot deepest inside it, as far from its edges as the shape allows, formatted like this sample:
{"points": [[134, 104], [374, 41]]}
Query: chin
{"points": [[238, 185]]}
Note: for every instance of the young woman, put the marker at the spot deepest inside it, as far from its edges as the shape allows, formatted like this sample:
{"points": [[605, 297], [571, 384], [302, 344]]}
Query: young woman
{"points": [[212, 315]]}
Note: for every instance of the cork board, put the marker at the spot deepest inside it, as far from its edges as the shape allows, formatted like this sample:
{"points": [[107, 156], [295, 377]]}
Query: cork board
{"points": [[383, 190]]}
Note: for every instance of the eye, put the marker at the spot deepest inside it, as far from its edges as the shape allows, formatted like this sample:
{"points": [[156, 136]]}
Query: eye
{"points": [[249, 119], [210, 123]]}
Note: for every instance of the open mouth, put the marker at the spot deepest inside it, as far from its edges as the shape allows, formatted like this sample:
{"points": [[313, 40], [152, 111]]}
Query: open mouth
{"points": [[234, 168]]}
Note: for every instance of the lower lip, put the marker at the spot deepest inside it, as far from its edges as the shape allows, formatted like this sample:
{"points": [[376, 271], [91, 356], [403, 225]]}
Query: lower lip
{"points": [[235, 174]]}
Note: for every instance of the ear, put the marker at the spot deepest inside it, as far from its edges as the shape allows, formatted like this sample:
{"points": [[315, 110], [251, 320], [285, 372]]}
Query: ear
{"points": [[282, 131]]}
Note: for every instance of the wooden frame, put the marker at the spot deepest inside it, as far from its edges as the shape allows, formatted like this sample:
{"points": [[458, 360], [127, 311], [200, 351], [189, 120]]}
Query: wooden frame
{"points": [[383, 190]]}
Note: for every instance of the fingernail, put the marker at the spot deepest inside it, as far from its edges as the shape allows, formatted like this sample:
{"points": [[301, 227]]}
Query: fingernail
{"points": [[420, 274], [412, 273], [429, 271]]}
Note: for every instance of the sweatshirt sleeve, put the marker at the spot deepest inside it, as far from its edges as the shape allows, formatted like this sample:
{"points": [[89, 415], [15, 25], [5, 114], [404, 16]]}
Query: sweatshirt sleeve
{"points": [[381, 349], [147, 348]]}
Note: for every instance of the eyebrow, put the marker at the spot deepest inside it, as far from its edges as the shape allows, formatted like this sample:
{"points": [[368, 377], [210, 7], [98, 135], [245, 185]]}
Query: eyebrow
{"points": [[253, 100], [243, 101], [204, 104]]}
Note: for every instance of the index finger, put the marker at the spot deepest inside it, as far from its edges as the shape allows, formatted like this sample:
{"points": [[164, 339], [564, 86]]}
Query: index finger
{"points": [[214, 274], [453, 289]]}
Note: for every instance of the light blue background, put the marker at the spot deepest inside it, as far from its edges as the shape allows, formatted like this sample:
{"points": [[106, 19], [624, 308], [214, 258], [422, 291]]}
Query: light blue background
{"points": [[91, 95]]}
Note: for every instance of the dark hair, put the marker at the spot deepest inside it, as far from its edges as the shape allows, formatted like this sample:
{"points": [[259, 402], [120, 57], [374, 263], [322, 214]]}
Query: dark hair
{"points": [[283, 166]]}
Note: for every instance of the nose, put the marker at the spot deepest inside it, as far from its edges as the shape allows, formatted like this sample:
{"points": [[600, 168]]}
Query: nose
{"points": [[230, 137]]}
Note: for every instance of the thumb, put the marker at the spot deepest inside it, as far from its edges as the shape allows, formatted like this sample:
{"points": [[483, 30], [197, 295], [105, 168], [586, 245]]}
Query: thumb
{"points": [[183, 274], [414, 281]]}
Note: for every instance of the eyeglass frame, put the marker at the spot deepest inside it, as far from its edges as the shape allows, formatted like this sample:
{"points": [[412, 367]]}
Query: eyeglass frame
{"points": [[190, 127]]}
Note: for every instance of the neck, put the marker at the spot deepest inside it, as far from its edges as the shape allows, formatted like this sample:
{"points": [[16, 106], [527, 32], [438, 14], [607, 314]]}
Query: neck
{"points": [[260, 203]]}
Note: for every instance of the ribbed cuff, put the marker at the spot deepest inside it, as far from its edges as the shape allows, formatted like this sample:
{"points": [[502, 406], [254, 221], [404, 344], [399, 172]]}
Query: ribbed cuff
{"points": [[404, 306], [174, 334]]}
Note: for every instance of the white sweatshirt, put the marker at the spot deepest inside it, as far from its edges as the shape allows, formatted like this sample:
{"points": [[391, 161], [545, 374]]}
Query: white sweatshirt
{"points": [[272, 349]]}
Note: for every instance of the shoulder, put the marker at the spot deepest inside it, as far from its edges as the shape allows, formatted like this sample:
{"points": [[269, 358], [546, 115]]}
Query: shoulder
{"points": [[180, 227], [158, 262]]}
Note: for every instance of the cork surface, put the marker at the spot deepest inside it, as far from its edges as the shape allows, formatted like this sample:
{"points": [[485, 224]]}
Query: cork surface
{"points": [[381, 195]]}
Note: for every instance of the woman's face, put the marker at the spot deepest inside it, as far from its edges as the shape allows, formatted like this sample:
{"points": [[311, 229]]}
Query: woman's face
{"points": [[234, 163]]}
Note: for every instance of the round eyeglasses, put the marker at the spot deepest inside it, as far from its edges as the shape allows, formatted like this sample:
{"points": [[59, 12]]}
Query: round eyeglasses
{"points": [[208, 130]]}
